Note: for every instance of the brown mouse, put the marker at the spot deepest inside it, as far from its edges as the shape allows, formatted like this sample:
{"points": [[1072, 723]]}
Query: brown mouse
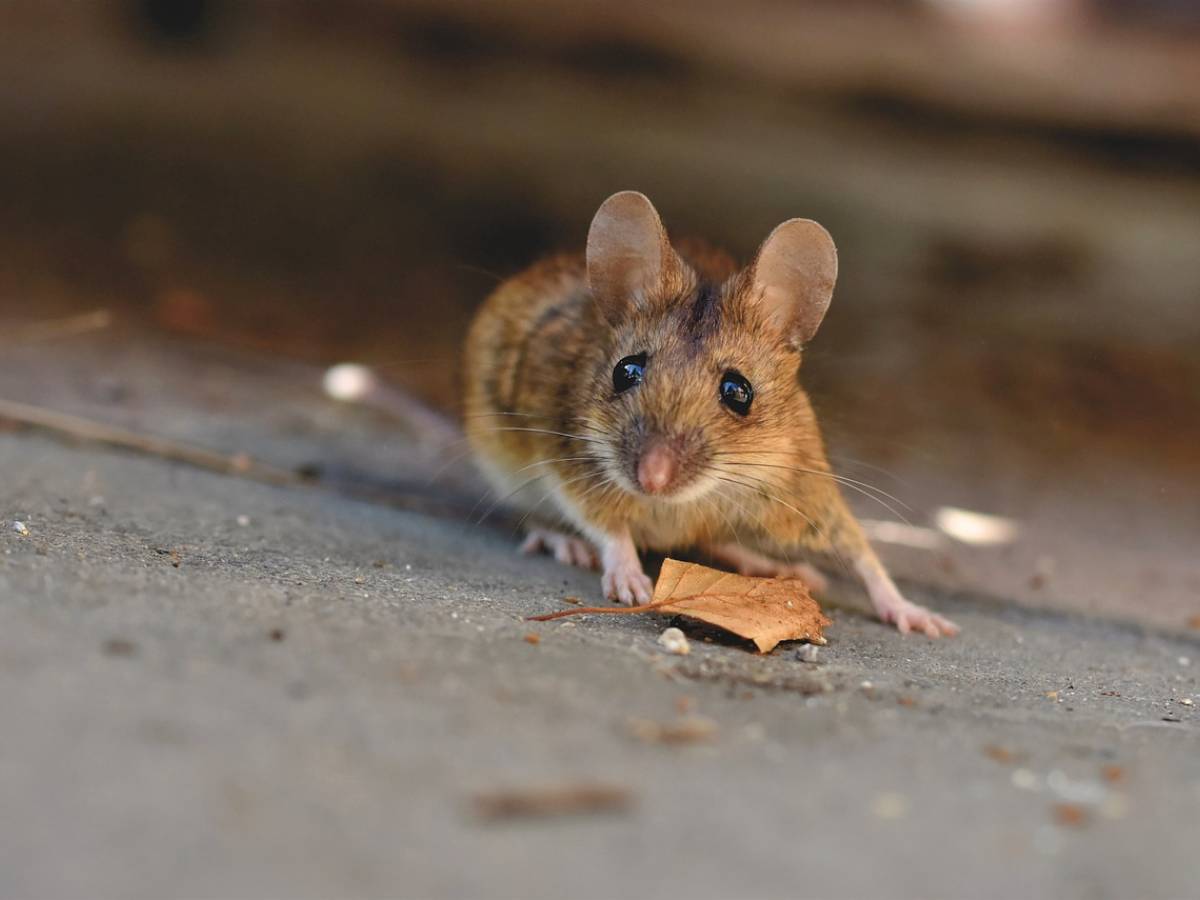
{"points": [[646, 395]]}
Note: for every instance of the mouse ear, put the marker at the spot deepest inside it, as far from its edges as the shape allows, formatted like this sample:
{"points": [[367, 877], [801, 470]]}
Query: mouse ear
{"points": [[793, 277], [629, 256]]}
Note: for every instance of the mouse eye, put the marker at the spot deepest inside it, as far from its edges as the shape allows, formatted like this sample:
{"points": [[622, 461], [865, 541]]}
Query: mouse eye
{"points": [[736, 392], [629, 372]]}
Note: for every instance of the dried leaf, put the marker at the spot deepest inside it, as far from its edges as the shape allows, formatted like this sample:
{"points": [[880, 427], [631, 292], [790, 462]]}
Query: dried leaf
{"points": [[763, 610], [1070, 815]]}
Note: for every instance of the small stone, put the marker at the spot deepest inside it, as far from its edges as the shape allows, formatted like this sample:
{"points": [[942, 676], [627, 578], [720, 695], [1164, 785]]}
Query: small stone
{"points": [[533, 638], [243, 521], [1186, 701], [808, 653], [119, 647], [1183, 660], [674, 641], [1025, 780], [19, 528], [890, 805]]}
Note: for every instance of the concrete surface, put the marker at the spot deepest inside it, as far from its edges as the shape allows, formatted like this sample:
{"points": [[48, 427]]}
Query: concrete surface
{"points": [[308, 702]]}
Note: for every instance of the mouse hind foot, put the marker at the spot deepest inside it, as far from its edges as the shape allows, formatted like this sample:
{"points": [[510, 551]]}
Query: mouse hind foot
{"points": [[568, 549], [748, 562]]}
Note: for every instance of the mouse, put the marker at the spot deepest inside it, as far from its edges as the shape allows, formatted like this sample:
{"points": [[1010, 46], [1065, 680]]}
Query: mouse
{"points": [[646, 395]]}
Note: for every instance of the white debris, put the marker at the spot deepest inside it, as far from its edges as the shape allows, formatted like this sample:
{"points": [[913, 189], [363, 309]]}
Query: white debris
{"points": [[1072, 791], [19, 528], [890, 805], [674, 641], [808, 653], [348, 381], [243, 521], [1026, 780], [980, 529]]}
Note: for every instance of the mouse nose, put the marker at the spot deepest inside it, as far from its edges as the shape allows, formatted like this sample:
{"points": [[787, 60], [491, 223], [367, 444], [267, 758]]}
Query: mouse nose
{"points": [[656, 469]]}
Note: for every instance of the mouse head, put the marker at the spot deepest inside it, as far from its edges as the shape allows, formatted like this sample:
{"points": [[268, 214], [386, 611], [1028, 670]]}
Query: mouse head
{"points": [[698, 376]]}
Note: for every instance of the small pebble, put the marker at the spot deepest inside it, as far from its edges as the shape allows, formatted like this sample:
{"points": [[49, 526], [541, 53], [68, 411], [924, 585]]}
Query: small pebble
{"points": [[19, 528], [890, 805], [1186, 702], [808, 653], [674, 641], [1025, 780], [243, 521]]}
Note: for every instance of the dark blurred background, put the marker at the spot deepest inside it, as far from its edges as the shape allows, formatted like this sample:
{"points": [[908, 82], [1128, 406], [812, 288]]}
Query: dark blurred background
{"points": [[1014, 188]]}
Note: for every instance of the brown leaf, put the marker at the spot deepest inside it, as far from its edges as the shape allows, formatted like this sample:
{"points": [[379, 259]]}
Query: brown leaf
{"points": [[1070, 815], [763, 610]]}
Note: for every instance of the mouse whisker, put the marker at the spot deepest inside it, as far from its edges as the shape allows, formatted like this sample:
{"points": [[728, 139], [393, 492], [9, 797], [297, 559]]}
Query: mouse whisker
{"points": [[760, 487], [862, 487], [577, 437], [863, 464], [546, 462], [520, 487], [546, 496]]}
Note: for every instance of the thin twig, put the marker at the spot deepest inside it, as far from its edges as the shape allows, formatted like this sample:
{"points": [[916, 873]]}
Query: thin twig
{"points": [[81, 429], [240, 465]]}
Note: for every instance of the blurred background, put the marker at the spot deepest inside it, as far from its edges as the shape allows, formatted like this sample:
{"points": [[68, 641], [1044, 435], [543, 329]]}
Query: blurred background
{"points": [[1014, 188]]}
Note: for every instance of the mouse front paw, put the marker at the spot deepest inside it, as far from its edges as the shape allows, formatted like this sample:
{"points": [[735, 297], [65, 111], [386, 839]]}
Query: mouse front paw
{"points": [[627, 584]]}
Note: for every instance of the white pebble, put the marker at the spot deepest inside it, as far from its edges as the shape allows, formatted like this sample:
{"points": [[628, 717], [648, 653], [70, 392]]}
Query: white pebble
{"points": [[1184, 661], [243, 521], [1026, 780], [19, 528], [674, 641], [808, 653], [890, 805]]}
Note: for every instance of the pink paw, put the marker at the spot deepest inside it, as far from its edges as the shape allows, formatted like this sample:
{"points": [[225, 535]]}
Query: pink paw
{"points": [[908, 617], [567, 549], [627, 584]]}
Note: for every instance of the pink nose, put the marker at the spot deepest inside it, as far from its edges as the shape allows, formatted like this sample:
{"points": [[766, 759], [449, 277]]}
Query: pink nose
{"points": [[656, 468]]}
